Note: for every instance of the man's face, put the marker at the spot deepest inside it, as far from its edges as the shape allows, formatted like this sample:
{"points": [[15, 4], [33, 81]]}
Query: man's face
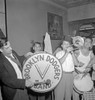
{"points": [[65, 45], [6, 49], [37, 47], [87, 43]]}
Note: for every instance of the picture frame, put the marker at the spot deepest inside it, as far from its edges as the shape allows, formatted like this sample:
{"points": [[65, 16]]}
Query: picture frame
{"points": [[55, 26]]}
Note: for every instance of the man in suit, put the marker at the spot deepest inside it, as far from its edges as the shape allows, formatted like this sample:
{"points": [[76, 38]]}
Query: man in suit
{"points": [[13, 86]]}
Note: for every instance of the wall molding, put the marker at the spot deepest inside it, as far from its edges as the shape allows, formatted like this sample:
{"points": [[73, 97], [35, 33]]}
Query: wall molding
{"points": [[54, 4]]}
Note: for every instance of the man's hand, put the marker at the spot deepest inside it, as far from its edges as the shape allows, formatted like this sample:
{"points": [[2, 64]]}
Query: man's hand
{"points": [[29, 54], [29, 83], [70, 49]]}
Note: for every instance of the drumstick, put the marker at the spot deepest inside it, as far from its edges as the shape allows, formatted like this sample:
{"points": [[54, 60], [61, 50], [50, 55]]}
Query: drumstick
{"points": [[85, 73]]}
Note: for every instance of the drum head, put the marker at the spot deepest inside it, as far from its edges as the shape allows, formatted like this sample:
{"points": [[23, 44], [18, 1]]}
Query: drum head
{"points": [[83, 84], [43, 70]]}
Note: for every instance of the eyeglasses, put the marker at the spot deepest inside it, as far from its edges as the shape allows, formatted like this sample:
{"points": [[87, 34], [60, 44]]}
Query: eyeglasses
{"points": [[6, 43], [3, 43]]}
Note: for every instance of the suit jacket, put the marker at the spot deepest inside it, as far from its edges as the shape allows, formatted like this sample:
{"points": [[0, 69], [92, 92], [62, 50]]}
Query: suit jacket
{"points": [[11, 87]]}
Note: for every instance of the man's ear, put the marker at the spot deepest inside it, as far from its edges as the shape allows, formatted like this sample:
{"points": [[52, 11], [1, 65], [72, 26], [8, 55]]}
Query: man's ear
{"points": [[33, 48]]}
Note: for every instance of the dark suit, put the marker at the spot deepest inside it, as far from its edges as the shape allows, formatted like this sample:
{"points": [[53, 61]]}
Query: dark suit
{"points": [[11, 87]]}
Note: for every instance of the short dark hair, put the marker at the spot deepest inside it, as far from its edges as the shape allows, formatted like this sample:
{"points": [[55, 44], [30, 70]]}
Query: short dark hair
{"points": [[31, 49], [36, 43], [2, 41]]}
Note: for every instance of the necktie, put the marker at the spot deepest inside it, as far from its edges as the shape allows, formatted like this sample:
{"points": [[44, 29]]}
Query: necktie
{"points": [[14, 59]]}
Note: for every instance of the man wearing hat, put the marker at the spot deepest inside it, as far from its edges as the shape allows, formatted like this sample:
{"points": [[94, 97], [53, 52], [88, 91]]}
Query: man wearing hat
{"points": [[13, 86]]}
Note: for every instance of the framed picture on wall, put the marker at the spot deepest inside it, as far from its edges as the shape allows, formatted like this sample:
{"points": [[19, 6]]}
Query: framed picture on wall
{"points": [[55, 26]]}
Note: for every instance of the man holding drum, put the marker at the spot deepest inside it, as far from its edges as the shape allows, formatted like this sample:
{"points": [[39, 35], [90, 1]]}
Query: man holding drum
{"points": [[84, 55]]}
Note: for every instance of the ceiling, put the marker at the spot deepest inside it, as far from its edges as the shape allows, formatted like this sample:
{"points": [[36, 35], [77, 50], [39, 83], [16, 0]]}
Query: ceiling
{"points": [[72, 3]]}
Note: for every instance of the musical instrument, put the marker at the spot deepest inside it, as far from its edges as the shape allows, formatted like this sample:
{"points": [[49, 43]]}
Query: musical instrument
{"points": [[43, 70], [83, 83]]}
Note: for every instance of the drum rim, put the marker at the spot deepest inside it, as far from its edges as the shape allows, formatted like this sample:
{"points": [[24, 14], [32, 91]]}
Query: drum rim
{"points": [[76, 90], [43, 52], [80, 92]]}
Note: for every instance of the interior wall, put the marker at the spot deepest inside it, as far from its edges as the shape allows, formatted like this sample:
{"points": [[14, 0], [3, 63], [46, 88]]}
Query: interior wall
{"points": [[27, 20], [81, 12], [80, 15]]}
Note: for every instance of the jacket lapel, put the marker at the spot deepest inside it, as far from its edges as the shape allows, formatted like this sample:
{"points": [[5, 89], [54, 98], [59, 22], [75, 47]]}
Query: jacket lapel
{"points": [[18, 63], [8, 66]]}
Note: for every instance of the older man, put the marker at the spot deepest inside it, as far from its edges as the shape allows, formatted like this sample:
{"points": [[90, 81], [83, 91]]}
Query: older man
{"points": [[13, 86]]}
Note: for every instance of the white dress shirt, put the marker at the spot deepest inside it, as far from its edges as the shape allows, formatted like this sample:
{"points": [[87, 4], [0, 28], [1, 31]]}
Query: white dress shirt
{"points": [[16, 68], [68, 64]]}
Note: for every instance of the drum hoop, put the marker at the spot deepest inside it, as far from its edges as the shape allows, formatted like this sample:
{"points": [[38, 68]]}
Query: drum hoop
{"points": [[80, 92], [60, 66], [31, 56], [76, 90]]}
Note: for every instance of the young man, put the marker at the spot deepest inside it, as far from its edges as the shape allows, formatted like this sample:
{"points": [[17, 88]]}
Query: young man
{"points": [[64, 90]]}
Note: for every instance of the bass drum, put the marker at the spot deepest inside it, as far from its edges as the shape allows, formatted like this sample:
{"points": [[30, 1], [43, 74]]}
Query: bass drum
{"points": [[83, 83], [43, 70]]}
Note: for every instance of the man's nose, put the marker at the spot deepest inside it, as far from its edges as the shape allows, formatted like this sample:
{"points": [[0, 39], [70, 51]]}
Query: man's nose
{"points": [[10, 48]]}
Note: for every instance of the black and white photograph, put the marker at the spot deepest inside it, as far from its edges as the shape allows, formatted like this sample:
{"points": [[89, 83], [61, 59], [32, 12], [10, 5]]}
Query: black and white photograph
{"points": [[47, 49]]}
